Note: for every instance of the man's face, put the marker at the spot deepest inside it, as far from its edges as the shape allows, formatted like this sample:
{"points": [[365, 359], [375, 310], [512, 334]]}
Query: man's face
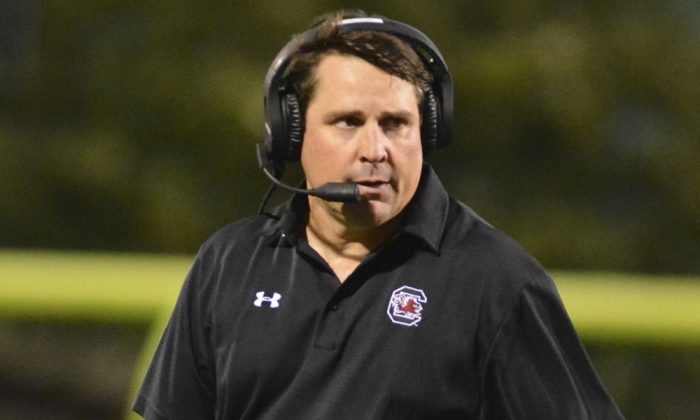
{"points": [[362, 126]]}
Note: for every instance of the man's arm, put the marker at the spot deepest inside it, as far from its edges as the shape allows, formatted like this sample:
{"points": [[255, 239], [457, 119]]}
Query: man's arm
{"points": [[179, 383], [537, 367]]}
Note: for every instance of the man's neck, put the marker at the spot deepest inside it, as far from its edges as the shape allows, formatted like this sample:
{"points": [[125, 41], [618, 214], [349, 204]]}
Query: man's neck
{"points": [[342, 246]]}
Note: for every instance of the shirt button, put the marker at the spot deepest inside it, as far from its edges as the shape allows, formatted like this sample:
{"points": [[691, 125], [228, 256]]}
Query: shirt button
{"points": [[335, 307]]}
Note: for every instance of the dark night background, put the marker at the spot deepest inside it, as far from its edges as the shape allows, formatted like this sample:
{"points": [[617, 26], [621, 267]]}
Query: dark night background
{"points": [[130, 126]]}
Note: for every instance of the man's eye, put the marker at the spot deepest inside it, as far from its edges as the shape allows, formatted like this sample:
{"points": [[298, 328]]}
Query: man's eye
{"points": [[394, 123], [348, 122]]}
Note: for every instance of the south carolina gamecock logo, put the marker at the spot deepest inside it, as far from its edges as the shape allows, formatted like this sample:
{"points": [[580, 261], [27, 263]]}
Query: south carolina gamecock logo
{"points": [[405, 306]]}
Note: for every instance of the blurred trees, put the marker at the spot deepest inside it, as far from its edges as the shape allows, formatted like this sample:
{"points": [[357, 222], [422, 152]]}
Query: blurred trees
{"points": [[130, 125]]}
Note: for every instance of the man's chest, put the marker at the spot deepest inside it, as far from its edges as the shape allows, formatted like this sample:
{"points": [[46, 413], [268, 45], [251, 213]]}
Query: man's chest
{"points": [[392, 334]]}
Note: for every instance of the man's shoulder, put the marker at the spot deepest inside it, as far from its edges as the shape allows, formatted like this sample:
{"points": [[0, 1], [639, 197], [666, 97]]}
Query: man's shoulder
{"points": [[242, 232], [493, 252]]}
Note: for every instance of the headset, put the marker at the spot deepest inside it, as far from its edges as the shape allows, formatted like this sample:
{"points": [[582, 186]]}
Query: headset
{"points": [[284, 125]]}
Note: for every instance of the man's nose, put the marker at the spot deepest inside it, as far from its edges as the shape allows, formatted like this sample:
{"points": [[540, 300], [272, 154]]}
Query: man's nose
{"points": [[373, 143]]}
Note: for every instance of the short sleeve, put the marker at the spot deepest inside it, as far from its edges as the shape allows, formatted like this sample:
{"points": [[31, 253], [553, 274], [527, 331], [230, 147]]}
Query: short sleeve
{"points": [[180, 381], [537, 367]]}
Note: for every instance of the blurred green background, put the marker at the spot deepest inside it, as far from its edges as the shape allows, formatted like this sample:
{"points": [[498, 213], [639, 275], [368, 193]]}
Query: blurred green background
{"points": [[129, 126]]}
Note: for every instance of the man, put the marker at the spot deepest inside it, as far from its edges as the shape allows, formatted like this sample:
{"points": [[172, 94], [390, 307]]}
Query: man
{"points": [[404, 304]]}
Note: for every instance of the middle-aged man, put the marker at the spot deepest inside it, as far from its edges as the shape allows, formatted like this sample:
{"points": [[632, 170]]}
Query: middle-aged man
{"points": [[396, 301]]}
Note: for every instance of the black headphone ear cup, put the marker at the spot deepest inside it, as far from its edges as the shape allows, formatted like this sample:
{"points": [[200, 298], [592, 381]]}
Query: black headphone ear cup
{"points": [[430, 124], [295, 127]]}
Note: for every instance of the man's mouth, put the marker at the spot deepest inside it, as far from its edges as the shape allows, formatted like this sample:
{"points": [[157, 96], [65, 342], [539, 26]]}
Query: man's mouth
{"points": [[371, 184], [372, 189]]}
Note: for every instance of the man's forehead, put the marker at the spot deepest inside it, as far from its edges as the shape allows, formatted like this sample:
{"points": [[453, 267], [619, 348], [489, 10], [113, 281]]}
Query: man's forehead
{"points": [[350, 75]]}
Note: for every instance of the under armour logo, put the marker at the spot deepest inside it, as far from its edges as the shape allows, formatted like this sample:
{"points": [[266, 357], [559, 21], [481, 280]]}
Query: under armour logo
{"points": [[274, 301]]}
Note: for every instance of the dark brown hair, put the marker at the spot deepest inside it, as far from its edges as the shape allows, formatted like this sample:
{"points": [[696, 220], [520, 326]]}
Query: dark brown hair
{"points": [[382, 50]]}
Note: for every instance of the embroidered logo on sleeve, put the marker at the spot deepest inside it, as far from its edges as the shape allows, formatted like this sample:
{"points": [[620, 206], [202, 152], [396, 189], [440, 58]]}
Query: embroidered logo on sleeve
{"points": [[406, 305], [274, 301]]}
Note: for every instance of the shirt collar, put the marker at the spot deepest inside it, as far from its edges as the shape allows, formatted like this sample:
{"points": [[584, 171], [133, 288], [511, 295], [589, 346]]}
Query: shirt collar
{"points": [[424, 217], [286, 221]]}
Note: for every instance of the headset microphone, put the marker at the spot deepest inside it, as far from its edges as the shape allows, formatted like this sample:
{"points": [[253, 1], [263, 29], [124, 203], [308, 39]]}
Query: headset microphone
{"points": [[343, 192]]}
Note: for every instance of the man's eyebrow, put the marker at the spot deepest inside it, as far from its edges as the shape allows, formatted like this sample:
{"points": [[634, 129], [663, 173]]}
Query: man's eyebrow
{"points": [[335, 115], [358, 113], [405, 115]]}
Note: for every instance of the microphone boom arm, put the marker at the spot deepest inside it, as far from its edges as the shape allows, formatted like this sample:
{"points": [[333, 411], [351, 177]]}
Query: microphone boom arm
{"points": [[342, 192]]}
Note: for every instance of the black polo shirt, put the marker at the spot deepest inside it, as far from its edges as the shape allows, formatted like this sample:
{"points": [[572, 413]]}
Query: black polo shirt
{"points": [[450, 319]]}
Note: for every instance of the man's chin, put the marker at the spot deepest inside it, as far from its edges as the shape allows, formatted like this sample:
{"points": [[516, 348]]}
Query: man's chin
{"points": [[366, 214]]}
